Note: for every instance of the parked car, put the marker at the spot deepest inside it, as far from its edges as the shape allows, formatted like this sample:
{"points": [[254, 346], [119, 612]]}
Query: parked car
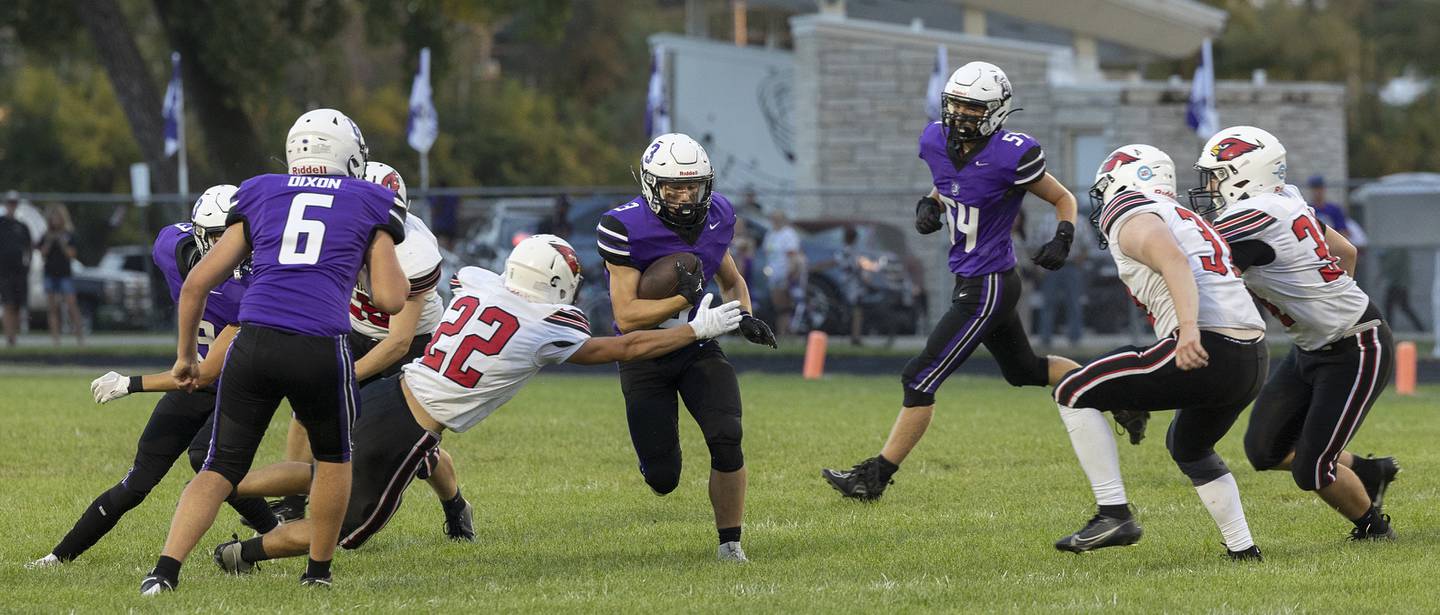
{"points": [[113, 294]]}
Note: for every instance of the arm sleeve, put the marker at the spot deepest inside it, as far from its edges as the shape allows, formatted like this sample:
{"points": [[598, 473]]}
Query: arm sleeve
{"points": [[612, 240], [567, 330], [394, 222], [425, 283], [1251, 253], [1031, 166], [1243, 225]]}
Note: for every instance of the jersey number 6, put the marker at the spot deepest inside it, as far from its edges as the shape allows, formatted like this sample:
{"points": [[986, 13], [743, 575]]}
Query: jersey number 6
{"points": [[505, 325]]}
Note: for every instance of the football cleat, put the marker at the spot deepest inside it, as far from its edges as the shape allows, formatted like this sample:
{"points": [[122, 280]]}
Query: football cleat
{"points": [[1377, 480], [323, 582], [461, 525], [731, 552], [287, 511], [227, 557], [156, 584], [1379, 530], [1251, 554], [1132, 422], [49, 561], [861, 482], [1101, 532]]}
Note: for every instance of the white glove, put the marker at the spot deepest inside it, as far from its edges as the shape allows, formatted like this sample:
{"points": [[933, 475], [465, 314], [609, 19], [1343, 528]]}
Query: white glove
{"points": [[713, 322], [109, 387]]}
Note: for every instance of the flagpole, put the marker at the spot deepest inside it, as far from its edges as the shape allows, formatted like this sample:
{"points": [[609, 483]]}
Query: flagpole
{"points": [[425, 169], [180, 136]]}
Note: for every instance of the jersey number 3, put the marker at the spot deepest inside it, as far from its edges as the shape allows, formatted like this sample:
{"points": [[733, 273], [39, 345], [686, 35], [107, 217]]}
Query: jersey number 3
{"points": [[1303, 228], [505, 325]]}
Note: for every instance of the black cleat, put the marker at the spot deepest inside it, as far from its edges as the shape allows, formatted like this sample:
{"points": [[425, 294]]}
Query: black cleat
{"points": [[1377, 474], [322, 582], [156, 584], [861, 482], [227, 557], [288, 510], [461, 526], [1101, 532], [1132, 422], [1379, 530], [1246, 555]]}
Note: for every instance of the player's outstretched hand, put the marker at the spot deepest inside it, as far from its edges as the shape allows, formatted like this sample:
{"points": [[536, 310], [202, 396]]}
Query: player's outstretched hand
{"points": [[689, 284], [1052, 254], [186, 373], [928, 213], [110, 387], [756, 330], [715, 321], [1189, 354]]}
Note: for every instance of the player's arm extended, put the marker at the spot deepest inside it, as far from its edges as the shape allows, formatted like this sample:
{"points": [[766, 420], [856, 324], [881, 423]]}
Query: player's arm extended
{"points": [[709, 322], [632, 312], [209, 368], [1147, 239], [1052, 191], [1341, 248], [732, 284], [396, 344], [388, 285], [217, 265]]}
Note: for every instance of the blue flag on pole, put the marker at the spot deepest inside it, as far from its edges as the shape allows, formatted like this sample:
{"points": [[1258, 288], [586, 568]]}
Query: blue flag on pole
{"points": [[938, 76], [424, 124], [174, 107], [1200, 114], [657, 110]]}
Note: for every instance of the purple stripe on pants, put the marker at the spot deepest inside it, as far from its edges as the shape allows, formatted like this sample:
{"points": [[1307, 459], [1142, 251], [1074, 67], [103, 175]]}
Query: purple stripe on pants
{"points": [[963, 344]]}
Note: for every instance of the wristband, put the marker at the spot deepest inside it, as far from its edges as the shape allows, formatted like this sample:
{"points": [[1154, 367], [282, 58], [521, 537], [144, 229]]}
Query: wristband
{"points": [[137, 384]]}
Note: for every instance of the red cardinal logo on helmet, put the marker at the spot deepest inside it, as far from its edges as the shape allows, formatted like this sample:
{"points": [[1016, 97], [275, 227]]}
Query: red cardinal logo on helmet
{"points": [[391, 181], [1116, 160], [570, 258], [1232, 148]]}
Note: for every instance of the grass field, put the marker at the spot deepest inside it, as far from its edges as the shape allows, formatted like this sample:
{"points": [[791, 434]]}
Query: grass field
{"points": [[566, 524]]}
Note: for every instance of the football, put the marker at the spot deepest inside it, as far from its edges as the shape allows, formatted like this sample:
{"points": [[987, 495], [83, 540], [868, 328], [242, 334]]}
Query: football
{"points": [[659, 280]]}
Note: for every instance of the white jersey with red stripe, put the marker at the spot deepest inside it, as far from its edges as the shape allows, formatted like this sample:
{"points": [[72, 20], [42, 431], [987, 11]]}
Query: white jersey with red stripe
{"points": [[420, 260], [1223, 300], [1304, 286], [489, 343]]}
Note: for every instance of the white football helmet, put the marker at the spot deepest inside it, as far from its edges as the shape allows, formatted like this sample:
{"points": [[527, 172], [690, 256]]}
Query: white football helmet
{"points": [[543, 269], [326, 142], [1138, 167], [980, 86], [676, 158], [208, 217], [386, 175], [1241, 162]]}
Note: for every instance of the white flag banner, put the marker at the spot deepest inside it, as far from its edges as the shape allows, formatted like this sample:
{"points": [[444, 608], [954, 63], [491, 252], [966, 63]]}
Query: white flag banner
{"points": [[1200, 114], [424, 124], [938, 76]]}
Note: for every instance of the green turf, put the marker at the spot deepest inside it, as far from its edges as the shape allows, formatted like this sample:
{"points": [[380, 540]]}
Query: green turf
{"points": [[566, 524]]}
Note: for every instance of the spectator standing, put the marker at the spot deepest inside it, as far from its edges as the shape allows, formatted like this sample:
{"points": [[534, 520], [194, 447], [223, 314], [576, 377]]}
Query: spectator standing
{"points": [[57, 247], [856, 281], [1064, 291], [1395, 262], [15, 242], [1330, 213], [742, 248], [750, 205], [785, 266]]}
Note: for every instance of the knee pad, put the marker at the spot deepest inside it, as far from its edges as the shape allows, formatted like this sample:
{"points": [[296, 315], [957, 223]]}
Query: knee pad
{"points": [[1204, 469], [197, 458], [1312, 474], [663, 475], [1037, 373], [723, 437], [122, 498], [916, 399], [1260, 456]]}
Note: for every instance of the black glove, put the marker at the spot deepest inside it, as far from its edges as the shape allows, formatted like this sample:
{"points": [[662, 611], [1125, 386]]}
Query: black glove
{"points": [[756, 330], [928, 214], [689, 284], [1052, 254]]}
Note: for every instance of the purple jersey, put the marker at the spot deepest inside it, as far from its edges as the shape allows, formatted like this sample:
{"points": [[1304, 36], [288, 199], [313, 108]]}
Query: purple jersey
{"points": [[982, 195], [175, 253], [308, 238], [633, 236]]}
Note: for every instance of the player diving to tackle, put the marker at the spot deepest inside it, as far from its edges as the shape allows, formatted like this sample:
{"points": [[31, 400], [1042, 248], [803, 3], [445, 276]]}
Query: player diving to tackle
{"points": [[1207, 364], [498, 332], [981, 174], [382, 344], [180, 419], [677, 211], [1302, 272]]}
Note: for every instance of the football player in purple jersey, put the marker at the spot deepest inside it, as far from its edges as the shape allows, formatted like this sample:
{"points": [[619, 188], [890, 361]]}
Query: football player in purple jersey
{"points": [[308, 234], [981, 174], [678, 212], [180, 419]]}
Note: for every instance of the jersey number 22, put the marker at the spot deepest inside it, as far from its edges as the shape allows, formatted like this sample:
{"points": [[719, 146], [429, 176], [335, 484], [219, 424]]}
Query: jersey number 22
{"points": [[452, 365]]}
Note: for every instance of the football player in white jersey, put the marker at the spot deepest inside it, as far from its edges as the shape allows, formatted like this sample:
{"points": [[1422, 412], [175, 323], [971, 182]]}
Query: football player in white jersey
{"points": [[1208, 363], [498, 331], [1302, 273]]}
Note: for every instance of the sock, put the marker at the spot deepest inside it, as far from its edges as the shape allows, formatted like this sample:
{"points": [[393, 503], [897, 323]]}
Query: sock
{"points": [[1115, 511], [253, 550], [168, 567], [1222, 498], [729, 534], [887, 469], [317, 570], [455, 504], [96, 521], [1370, 519], [1094, 445], [256, 512], [295, 502]]}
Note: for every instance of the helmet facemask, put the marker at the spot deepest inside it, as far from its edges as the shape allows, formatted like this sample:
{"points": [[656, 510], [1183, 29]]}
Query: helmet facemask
{"points": [[682, 203], [1097, 206], [1208, 200]]}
